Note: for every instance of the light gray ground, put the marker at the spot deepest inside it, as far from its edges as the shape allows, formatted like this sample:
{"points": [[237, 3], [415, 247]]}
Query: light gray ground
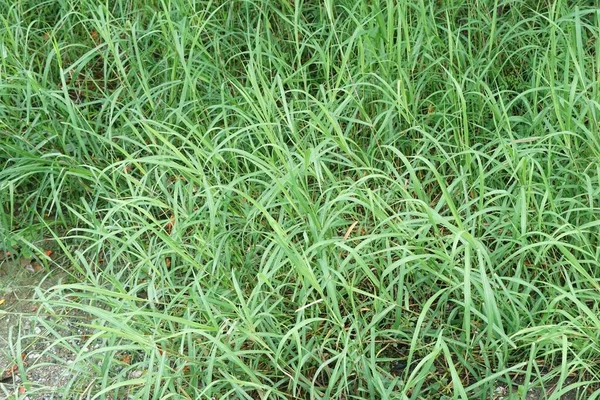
{"points": [[30, 368]]}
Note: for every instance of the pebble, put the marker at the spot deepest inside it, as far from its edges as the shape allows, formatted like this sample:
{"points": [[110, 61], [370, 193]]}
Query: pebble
{"points": [[135, 374]]}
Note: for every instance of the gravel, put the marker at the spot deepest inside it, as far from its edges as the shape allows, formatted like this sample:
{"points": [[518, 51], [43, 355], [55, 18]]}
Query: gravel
{"points": [[23, 336]]}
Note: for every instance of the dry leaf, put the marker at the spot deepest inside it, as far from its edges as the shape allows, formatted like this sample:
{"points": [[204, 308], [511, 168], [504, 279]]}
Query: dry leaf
{"points": [[169, 225], [2, 301], [95, 36], [349, 231], [10, 372]]}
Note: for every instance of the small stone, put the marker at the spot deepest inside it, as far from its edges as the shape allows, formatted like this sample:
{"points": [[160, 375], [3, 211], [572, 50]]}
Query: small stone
{"points": [[37, 330], [135, 374]]}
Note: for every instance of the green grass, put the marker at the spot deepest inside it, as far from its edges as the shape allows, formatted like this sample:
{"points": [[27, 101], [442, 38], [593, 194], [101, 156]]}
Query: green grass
{"points": [[291, 198]]}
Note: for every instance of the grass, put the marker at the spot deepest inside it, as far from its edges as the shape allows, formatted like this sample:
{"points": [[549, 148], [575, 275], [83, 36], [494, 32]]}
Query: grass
{"points": [[309, 199]]}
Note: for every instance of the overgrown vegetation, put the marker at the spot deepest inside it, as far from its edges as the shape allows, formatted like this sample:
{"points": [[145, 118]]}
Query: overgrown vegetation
{"points": [[285, 199]]}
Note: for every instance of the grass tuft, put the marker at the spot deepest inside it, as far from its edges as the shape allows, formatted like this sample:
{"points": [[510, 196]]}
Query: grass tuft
{"points": [[299, 199]]}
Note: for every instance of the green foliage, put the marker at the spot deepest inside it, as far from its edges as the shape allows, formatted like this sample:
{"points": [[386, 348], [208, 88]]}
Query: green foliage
{"points": [[287, 199]]}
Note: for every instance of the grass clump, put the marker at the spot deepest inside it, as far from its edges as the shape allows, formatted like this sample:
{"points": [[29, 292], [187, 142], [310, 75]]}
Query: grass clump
{"points": [[300, 199]]}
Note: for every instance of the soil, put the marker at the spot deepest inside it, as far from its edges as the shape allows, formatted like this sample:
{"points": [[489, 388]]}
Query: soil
{"points": [[30, 367], [503, 392]]}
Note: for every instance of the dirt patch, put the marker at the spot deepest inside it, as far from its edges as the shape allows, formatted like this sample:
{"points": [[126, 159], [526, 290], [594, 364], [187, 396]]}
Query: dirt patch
{"points": [[539, 392], [30, 366]]}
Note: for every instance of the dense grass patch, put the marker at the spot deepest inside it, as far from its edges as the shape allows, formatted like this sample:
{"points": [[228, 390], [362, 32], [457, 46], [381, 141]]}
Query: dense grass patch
{"points": [[309, 199]]}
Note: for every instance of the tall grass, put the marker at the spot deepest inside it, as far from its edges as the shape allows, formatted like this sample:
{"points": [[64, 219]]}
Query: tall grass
{"points": [[309, 199]]}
